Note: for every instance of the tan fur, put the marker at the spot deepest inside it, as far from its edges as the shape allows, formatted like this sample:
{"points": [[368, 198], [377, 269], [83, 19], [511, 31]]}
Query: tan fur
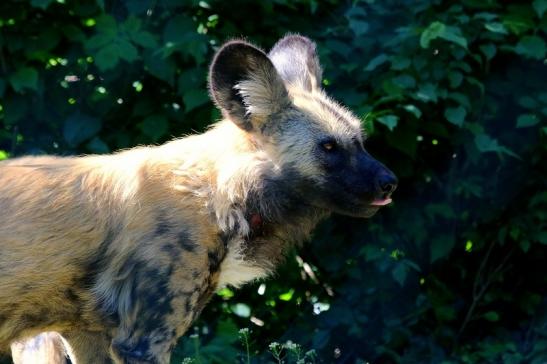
{"points": [[120, 253]]}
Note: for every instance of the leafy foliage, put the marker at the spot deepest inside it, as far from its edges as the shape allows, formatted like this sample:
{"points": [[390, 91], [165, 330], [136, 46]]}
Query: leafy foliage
{"points": [[453, 97]]}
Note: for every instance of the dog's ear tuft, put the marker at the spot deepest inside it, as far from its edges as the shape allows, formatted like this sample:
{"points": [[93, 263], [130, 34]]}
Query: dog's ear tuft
{"points": [[297, 62], [245, 84]]}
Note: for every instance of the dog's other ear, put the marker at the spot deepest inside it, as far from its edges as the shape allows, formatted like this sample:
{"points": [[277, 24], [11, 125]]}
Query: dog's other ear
{"points": [[297, 62], [245, 85]]}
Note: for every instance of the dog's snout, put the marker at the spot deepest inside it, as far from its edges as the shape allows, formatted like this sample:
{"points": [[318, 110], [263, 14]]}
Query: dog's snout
{"points": [[387, 182]]}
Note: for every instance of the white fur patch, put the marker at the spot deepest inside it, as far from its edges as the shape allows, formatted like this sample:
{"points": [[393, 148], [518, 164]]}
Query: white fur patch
{"points": [[235, 270]]}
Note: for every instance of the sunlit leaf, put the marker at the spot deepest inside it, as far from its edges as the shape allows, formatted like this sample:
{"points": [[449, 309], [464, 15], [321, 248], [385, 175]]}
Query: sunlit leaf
{"points": [[413, 110], [389, 120], [287, 296], [496, 27], [241, 310], [439, 30]]}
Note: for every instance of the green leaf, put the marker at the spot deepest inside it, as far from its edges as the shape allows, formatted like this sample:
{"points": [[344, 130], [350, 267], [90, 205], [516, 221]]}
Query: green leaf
{"points": [[96, 145], [404, 81], [42, 4], [527, 120], [527, 102], [376, 61], [127, 51], [399, 273], [162, 68], [541, 237], [144, 39], [132, 24], [107, 57], [455, 115], [441, 246], [455, 79], [427, 92], [15, 108], [3, 155], [154, 126], [524, 245], [24, 78], [177, 27], [413, 110], [106, 24], [98, 41], [79, 127], [388, 120], [194, 98], [489, 50], [439, 30], [485, 144], [287, 296], [540, 6], [454, 34], [400, 63], [359, 27], [492, 316], [531, 46], [433, 31], [496, 27], [460, 98]]}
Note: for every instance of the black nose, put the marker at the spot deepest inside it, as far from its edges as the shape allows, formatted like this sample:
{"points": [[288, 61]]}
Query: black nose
{"points": [[387, 182]]}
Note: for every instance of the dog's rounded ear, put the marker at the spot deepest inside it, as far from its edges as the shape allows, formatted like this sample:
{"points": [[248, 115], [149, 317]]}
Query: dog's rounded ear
{"points": [[296, 60], [245, 85]]}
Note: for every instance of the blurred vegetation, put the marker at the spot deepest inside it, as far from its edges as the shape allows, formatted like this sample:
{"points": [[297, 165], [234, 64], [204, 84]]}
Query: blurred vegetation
{"points": [[454, 98]]}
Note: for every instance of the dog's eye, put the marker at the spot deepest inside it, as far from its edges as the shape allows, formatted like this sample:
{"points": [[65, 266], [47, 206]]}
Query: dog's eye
{"points": [[329, 145]]}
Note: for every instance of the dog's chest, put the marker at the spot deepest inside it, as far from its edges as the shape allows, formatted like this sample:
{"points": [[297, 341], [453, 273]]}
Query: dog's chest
{"points": [[237, 268]]}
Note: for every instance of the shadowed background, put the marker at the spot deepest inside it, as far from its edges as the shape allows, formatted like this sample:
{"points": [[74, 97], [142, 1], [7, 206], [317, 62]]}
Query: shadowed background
{"points": [[454, 99]]}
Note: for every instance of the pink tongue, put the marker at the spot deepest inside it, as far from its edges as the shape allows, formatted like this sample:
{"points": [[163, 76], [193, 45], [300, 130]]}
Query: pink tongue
{"points": [[383, 202]]}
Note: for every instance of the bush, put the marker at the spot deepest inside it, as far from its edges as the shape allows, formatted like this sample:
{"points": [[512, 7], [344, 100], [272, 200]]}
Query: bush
{"points": [[454, 100]]}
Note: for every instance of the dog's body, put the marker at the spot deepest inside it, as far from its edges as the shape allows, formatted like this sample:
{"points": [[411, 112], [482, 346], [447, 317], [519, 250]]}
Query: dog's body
{"points": [[119, 253]]}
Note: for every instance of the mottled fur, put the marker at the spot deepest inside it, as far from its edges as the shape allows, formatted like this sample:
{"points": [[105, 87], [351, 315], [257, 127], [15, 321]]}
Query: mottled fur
{"points": [[120, 253]]}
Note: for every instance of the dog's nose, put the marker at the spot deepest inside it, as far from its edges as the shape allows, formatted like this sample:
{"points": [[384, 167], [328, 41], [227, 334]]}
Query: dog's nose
{"points": [[387, 182]]}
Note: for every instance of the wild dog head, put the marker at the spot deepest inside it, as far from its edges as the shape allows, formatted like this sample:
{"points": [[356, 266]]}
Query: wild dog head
{"points": [[277, 98]]}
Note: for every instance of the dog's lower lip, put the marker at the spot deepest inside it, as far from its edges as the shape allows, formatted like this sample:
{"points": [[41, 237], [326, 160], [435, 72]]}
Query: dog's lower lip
{"points": [[381, 202]]}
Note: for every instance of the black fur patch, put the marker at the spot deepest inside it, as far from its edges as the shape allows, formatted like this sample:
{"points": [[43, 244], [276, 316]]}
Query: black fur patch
{"points": [[185, 242], [137, 352]]}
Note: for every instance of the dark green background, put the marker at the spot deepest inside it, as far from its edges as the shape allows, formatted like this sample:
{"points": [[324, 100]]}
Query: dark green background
{"points": [[454, 98]]}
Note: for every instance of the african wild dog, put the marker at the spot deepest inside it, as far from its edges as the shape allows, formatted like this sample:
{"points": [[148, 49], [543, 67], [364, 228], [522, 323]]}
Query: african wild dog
{"points": [[120, 253]]}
